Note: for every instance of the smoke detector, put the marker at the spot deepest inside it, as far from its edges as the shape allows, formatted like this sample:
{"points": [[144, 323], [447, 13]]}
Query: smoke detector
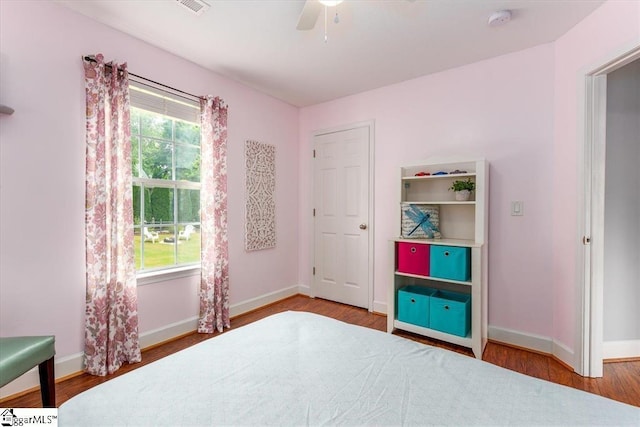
{"points": [[499, 18], [197, 7]]}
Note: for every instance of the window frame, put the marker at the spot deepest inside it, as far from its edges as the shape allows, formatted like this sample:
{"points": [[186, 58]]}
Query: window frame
{"points": [[163, 109]]}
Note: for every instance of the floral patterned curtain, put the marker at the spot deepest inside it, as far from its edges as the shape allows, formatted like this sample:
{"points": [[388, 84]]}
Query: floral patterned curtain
{"points": [[111, 318], [214, 281]]}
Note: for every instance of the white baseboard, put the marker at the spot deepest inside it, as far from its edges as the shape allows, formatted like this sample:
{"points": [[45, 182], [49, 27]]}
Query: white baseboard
{"points": [[564, 354], [72, 364], [620, 349], [156, 336], [261, 301], [533, 342], [520, 339], [304, 290], [380, 307]]}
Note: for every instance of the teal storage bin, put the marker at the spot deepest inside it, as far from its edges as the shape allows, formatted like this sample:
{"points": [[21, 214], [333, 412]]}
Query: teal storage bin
{"points": [[413, 305], [450, 312], [450, 262]]}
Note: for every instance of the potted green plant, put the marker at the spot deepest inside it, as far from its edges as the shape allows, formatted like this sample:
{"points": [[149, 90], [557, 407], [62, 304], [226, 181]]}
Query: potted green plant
{"points": [[463, 189]]}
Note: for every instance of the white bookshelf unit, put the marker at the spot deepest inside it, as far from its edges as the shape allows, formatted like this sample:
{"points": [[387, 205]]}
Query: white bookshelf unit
{"points": [[462, 224]]}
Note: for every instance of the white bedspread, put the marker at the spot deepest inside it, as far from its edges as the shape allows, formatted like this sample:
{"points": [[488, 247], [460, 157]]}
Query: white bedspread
{"points": [[296, 368]]}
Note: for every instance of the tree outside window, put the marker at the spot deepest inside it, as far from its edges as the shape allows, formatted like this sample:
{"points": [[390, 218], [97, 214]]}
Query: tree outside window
{"points": [[166, 190]]}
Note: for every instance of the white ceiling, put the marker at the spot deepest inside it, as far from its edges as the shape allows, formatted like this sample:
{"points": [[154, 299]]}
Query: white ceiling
{"points": [[376, 43]]}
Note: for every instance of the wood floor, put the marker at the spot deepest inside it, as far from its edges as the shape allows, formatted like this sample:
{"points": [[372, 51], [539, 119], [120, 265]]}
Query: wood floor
{"points": [[621, 380]]}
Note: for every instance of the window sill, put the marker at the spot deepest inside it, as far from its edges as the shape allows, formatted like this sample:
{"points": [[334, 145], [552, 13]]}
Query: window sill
{"points": [[150, 277]]}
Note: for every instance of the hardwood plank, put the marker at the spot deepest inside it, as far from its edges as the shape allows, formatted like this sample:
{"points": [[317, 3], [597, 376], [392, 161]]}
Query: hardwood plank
{"points": [[536, 365], [626, 386], [559, 374], [496, 353], [621, 380]]}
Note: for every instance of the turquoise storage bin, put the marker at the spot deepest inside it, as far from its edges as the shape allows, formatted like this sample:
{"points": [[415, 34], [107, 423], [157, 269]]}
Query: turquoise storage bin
{"points": [[450, 262], [450, 312], [413, 305]]}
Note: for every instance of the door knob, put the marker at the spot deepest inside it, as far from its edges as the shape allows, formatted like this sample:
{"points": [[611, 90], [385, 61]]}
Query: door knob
{"points": [[363, 226]]}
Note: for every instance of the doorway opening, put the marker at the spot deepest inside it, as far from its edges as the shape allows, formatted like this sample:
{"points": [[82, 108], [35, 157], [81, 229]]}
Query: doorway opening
{"points": [[591, 331]]}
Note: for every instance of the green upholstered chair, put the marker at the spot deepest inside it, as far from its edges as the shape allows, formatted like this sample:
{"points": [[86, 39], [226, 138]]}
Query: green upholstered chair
{"points": [[20, 354]]}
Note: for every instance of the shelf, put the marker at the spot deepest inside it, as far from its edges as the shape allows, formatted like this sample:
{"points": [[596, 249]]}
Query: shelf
{"points": [[446, 242], [444, 202], [428, 332], [420, 178], [464, 225], [437, 279]]}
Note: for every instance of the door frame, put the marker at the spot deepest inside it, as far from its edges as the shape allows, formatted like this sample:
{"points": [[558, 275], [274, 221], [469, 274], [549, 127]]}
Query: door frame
{"points": [[370, 124], [589, 359]]}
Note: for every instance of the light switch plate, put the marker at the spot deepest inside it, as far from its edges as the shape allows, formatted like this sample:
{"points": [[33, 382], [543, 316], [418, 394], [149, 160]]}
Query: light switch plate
{"points": [[517, 208]]}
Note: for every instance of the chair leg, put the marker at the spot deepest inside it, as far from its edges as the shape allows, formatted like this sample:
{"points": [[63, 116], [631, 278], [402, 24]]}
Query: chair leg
{"points": [[47, 383]]}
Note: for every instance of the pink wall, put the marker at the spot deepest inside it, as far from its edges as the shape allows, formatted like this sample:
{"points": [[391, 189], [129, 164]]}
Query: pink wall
{"points": [[500, 109], [608, 32], [523, 113], [42, 174]]}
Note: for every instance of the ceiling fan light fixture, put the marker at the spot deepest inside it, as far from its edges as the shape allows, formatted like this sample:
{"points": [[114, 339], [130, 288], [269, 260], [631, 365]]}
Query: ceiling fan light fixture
{"points": [[330, 3]]}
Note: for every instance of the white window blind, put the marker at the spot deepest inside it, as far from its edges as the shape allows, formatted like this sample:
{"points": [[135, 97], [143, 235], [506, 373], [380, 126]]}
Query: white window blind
{"points": [[160, 101]]}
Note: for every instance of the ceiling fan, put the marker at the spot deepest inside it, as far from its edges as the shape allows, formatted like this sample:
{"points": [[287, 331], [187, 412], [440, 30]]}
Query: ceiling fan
{"points": [[311, 11]]}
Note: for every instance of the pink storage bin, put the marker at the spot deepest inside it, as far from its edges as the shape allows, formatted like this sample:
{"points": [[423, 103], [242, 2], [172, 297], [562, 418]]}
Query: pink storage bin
{"points": [[413, 258]]}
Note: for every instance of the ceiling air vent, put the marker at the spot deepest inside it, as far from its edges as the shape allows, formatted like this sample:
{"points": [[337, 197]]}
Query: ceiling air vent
{"points": [[195, 6]]}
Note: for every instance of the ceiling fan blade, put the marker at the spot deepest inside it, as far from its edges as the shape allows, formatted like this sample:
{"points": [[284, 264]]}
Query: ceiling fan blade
{"points": [[309, 15]]}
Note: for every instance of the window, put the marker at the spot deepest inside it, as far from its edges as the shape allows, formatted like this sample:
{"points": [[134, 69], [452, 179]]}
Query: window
{"points": [[165, 146]]}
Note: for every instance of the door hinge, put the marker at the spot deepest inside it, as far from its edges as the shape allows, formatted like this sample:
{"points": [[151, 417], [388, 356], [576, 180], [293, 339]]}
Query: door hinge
{"points": [[586, 240], [314, 154], [314, 211], [314, 271]]}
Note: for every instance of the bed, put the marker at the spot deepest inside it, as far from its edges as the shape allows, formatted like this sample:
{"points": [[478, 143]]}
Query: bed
{"points": [[298, 368]]}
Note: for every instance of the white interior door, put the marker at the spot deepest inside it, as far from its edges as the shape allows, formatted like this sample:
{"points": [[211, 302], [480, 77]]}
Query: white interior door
{"points": [[341, 205], [589, 357]]}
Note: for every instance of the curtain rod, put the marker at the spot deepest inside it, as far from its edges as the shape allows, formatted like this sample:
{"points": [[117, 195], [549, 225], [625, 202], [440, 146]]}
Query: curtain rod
{"points": [[92, 59]]}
